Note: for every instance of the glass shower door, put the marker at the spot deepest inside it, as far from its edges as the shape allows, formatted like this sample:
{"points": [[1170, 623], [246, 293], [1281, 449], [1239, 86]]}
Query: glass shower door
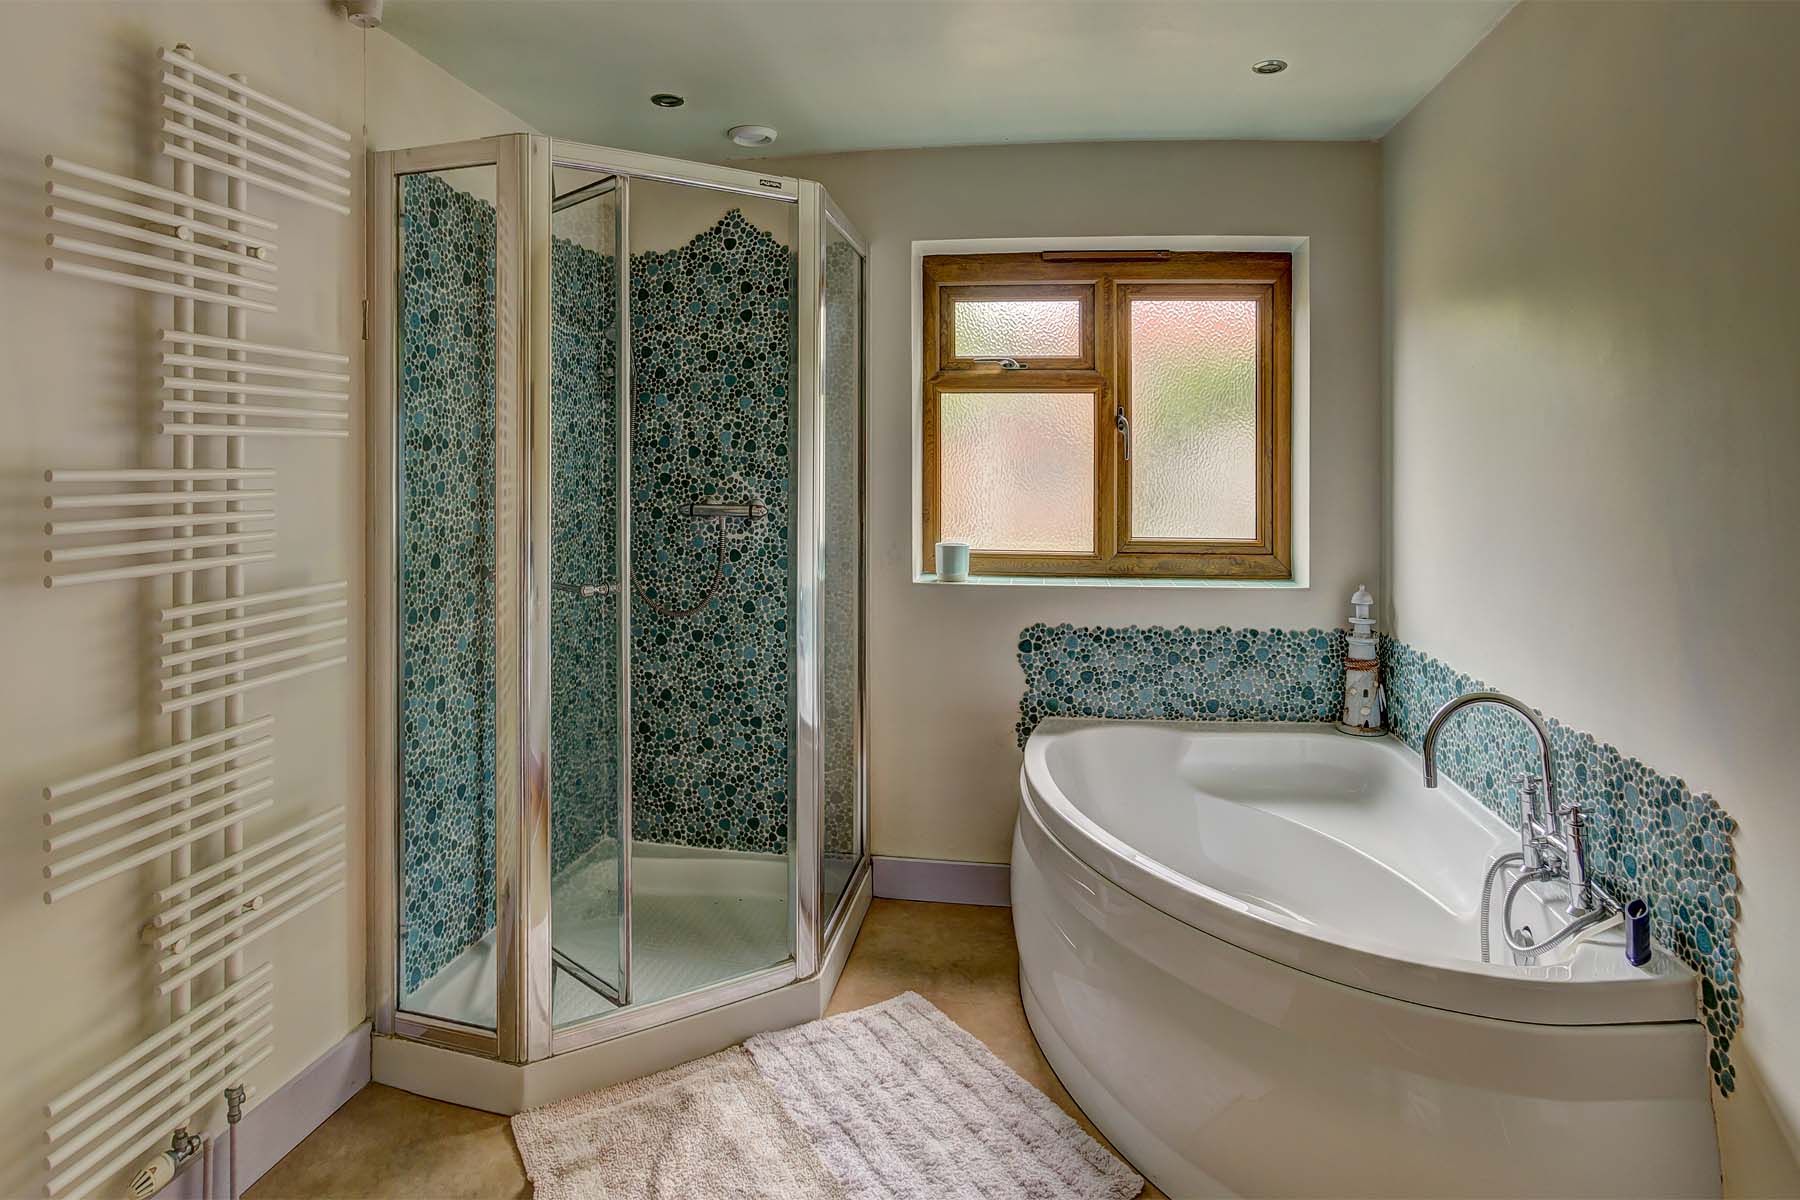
{"points": [[711, 350], [670, 832], [590, 861]]}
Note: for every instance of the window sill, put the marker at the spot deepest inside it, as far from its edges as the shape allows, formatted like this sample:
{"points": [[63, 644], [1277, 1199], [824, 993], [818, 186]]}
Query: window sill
{"points": [[1105, 582]]}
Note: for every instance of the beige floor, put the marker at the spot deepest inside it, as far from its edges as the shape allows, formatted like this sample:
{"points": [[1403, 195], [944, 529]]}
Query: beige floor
{"points": [[387, 1143]]}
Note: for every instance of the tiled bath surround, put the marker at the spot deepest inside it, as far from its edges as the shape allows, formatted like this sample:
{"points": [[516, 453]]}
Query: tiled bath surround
{"points": [[1180, 674], [1650, 835]]}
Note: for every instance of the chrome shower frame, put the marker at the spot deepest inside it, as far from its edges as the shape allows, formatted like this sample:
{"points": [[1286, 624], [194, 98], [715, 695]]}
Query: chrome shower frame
{"points": [[524, 1030]]}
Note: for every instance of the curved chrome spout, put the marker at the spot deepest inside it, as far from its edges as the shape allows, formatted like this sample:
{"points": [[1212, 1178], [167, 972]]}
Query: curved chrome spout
{"points": [[1560, 840], [1429, 749]]}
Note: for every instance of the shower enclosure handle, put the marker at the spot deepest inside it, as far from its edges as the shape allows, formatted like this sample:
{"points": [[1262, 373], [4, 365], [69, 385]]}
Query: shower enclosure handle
{"points": [[587, 591]]}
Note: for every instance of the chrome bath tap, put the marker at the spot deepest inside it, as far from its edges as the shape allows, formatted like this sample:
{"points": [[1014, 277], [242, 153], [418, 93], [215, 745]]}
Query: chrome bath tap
{"points": [[1552, 837]]}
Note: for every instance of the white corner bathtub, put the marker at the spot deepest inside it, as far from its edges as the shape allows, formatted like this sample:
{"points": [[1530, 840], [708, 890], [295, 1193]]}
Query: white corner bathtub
{"points": [[1251, 953]]}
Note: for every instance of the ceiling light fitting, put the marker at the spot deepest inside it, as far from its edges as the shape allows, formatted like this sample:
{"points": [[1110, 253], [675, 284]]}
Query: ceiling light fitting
{"points": [[751, 135], [667, 100], [364, 14], [1269, 66]]}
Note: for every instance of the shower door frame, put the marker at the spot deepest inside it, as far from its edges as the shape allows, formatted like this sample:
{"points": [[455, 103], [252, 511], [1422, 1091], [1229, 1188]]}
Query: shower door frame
{"points": [[524, 1022], [818, 201], [520, 807], [627, 166]]}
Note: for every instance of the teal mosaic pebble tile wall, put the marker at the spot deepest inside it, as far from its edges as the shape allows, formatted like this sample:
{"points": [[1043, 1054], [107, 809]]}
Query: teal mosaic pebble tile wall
{"points": [[712, 326], [446, 394], [1652, 836], [584, 537], [1179, 674]]}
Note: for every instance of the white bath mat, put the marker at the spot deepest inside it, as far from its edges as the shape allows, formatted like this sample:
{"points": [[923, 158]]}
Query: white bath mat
{"points": [[891, 1102], [710, 1128], [903, 1103]]}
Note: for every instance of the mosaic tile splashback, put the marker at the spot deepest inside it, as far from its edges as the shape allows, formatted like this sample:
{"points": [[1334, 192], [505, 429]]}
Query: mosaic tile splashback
{"points": [[1651, 835], [1179, 674], [712, 326], [446, 395]]}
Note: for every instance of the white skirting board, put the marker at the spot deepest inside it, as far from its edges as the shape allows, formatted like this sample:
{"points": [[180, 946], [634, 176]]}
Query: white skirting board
{"points": [[275, 1126], [943, 882]]}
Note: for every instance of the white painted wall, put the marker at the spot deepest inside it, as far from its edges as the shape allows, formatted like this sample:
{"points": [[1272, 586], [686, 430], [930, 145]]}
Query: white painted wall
{"points": [[1592, 233], [77, 79], [943, 675]]}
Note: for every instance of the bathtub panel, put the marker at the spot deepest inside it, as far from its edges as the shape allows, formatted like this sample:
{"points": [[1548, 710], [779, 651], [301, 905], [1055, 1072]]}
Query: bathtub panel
{"points": [[1220, 1072]]}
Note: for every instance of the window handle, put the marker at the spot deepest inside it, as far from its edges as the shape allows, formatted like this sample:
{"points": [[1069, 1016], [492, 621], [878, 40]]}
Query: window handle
{"points": [[1124, 428], [1005, 364]]}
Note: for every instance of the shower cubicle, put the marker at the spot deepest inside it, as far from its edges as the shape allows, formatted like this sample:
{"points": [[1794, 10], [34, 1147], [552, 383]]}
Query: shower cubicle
{"points": [[616, 603]]}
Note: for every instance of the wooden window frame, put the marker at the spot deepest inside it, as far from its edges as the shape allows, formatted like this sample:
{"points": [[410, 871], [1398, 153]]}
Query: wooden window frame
{"points": [[1109, 281]]}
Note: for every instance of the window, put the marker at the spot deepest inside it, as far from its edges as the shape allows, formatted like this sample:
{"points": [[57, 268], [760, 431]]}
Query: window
{"points": [[1109, 414]]}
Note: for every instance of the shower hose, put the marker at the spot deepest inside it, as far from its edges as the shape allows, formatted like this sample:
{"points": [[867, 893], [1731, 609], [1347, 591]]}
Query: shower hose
{"points": [[1581, 928], [1487, 892], [712, 589]]}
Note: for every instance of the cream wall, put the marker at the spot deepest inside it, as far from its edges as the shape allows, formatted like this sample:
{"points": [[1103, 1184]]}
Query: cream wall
{"points": [[1592, 232], [77, 79], [943, 678]]}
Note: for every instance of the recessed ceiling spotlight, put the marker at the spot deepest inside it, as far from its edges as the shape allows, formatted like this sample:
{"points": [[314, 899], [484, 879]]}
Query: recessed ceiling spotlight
{"points": [[1269, 66], [751, 135], [667, 100]]}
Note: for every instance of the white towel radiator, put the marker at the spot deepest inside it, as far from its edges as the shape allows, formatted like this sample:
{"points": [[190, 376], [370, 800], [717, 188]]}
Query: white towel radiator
{"points": [[198, 522]]}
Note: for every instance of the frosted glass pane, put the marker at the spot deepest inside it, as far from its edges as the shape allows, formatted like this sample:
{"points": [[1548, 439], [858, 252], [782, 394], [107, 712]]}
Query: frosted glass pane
{"points": [[1018, 328], [1193, 409], [445, 342], [840, 570], [1016, 470]]}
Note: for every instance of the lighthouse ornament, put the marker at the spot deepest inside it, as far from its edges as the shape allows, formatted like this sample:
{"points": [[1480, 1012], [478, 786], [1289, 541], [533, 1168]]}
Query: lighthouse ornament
{"points": [[1364, 701]]}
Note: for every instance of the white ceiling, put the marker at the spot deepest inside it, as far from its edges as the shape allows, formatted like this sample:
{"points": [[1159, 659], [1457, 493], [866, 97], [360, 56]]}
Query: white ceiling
{"points": [[836, 75]]}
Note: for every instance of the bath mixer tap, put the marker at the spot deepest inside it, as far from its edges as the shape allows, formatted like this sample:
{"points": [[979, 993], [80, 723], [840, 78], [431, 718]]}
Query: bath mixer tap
{"points": [[1552, 839], [1531, 849]]}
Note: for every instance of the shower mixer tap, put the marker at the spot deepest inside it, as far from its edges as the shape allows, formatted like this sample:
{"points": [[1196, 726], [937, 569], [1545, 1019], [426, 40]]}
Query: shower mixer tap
{"points": [[705, 510]]}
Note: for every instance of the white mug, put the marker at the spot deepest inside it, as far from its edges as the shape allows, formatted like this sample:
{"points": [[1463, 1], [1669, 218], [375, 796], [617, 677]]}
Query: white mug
{"points": [[952, 561]]}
